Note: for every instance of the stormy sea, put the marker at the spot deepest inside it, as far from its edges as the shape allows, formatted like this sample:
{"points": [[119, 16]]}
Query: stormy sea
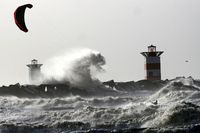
{"points": [[143, 106], [73, 100]]}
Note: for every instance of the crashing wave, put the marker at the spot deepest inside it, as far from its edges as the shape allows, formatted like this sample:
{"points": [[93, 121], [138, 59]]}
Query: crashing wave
{"points": [[129, 107]]}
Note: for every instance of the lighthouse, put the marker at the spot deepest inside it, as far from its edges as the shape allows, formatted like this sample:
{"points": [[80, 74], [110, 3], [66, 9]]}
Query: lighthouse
{"points": [[34, 71], [152, 64]]}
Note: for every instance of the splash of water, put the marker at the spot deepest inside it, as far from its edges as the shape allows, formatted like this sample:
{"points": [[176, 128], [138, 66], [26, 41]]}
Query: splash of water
{"points": [[178, 107], [77, 67]]}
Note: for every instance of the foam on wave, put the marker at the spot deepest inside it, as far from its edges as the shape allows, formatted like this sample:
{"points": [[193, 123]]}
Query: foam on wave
{"points": [[178, 106]]}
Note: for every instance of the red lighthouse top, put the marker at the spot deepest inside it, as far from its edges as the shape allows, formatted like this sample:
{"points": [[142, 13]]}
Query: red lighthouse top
{"points": [[151, 52], [151, 48]]}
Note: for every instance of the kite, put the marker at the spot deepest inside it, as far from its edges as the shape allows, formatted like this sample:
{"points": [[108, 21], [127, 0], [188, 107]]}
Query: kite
{"points": [[19, 17]]}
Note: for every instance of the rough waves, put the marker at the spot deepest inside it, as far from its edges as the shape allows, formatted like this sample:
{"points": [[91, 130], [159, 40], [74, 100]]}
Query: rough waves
{"points": [[110, 107]]}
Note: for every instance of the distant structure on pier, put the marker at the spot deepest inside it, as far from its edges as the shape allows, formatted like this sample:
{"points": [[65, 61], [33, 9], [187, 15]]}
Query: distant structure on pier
{"points": [[152, 64], [34, 71]]}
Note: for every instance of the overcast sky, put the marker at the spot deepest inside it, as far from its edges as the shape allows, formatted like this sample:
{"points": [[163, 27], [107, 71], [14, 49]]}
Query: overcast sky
{"points": [[119, 29]]}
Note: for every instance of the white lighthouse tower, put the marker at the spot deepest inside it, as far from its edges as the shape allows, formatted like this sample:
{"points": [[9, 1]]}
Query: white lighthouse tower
{"points": [[152, 64], [34, 71]]}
